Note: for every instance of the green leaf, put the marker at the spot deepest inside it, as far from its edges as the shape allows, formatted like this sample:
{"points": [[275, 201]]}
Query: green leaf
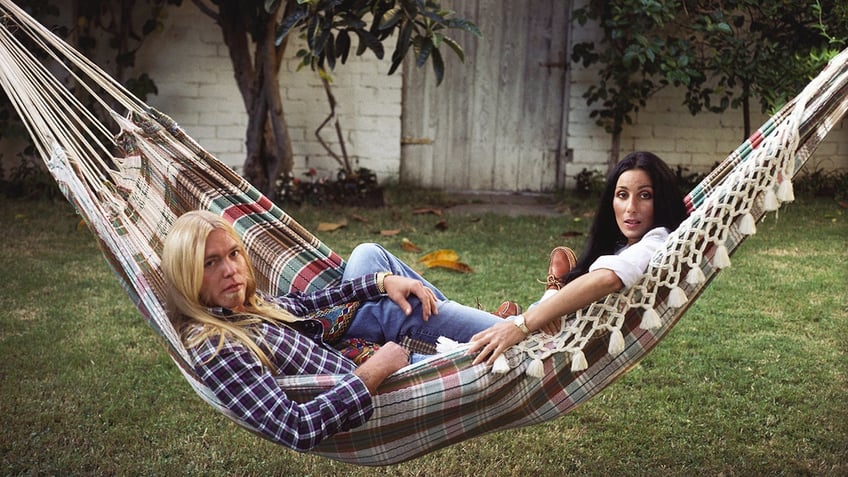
{"points": [[424, 51], [391, 18], [464, 25], [330, 50], [367, 40], [312, 30], [343, 45], [438, 66], [456, 47], [288, 23]]}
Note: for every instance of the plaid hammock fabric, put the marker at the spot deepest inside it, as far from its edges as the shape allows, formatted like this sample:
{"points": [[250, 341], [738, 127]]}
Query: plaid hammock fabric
{"points": [[130, 186]]}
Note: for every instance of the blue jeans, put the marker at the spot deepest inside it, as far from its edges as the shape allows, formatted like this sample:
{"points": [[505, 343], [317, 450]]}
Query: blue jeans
{"points": [[382, 320]]}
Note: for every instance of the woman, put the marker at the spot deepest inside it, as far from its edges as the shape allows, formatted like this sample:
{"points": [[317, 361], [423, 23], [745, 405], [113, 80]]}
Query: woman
{"points": [[239, 341], [640, 205]]}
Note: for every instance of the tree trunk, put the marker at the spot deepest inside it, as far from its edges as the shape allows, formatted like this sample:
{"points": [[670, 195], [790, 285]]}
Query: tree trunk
{"points": [[269, 149], [276, 138], [615, 147], [746, 109]]}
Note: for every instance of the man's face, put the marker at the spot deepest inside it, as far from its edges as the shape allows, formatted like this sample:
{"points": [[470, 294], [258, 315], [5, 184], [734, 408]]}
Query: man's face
{"points": [[224, 272]]}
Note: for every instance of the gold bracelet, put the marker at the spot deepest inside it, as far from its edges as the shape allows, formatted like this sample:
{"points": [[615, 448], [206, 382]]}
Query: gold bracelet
{"points": [[381, 281]]}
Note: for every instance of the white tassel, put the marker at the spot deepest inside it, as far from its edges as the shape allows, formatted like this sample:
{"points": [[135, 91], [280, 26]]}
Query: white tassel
{"points": [[446, 345], [616, 344], [785, 192], [578, 362], [501, 365], [721, 259], [677, 297], [536, 369], [650, 320], [747, 225], [770, 203], [695, 276]]}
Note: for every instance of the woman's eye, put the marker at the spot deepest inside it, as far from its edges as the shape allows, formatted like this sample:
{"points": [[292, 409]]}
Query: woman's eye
{"points": [[208, 263], [647, 195]]}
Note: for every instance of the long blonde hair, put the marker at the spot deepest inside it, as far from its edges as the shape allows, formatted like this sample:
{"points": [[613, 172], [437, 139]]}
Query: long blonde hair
{"points": [[183, 256]]}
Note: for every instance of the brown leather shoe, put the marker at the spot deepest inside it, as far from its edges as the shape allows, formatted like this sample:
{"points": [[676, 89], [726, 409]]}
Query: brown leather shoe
{"points": [[563, 260], [507, 309]]}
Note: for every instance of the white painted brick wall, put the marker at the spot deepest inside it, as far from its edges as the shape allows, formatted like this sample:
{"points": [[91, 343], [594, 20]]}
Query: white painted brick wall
{"points": [[193, 72]]}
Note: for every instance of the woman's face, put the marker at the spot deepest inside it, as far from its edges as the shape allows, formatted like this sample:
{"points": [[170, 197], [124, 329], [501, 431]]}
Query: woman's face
{"points": [[633, 204], [224, 272]]}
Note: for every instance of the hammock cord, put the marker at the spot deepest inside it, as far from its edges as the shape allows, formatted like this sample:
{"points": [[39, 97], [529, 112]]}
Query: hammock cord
{"points": [[130, 184]]}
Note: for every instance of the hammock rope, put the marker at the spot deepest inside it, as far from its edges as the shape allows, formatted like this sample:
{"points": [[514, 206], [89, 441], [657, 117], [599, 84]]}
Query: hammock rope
{"points": [[131, 175]]}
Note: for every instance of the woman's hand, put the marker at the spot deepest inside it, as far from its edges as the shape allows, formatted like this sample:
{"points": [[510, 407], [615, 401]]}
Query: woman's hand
{"points": [[398, 288], [552, 327], [492, 342]]}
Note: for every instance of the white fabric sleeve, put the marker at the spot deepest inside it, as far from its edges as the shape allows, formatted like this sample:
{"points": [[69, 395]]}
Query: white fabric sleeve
{"points": [[632, 261]]}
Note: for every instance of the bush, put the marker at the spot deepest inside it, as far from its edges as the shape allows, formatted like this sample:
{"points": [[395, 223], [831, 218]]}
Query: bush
{"points": [[821, 183], [359, 189], [29, 178]]}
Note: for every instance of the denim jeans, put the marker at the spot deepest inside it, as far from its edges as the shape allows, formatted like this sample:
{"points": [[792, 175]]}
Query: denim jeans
{"points": [[382, 320]]}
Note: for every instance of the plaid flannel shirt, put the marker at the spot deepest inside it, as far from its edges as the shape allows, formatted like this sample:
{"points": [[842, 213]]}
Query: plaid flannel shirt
{"points": [[250, 391]]}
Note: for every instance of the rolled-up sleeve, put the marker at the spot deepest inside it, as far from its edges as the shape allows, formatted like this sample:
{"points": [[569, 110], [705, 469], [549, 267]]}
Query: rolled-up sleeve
{"points": [[630, 263]]}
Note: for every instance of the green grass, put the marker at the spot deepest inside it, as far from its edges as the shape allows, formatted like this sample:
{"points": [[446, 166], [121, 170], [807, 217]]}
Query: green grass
{"points": [[752, 381]]}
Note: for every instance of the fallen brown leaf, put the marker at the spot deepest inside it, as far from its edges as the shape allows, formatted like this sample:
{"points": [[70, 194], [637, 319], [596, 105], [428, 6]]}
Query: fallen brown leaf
{"points": [[426, 210], [389, 233], [451, 265], [442, 225], [360, 218], [331, 226], [407, 245]]}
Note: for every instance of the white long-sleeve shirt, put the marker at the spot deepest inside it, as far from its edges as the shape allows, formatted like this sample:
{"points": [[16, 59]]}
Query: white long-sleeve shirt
{"points": [[631, 261]]}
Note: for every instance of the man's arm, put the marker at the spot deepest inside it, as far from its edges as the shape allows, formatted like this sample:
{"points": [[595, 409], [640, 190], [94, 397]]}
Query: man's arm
{"points": [[388, 359]]}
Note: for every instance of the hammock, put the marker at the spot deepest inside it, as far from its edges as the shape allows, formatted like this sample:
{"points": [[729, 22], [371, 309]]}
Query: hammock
{"points": [[130, 179]]}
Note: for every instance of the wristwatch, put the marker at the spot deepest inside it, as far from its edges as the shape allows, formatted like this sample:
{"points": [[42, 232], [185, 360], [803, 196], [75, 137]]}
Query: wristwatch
{"points": [[519, 322], [381, 281]]}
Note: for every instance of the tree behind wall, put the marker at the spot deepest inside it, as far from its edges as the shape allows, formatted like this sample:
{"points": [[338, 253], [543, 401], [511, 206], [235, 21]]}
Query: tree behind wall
{"points": [[109, 32], [725, 54], [257, 33]]}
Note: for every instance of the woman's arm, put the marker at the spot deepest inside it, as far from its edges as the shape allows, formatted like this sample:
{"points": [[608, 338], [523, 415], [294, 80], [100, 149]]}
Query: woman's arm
{"points": [[607, 274], [577, 294]]}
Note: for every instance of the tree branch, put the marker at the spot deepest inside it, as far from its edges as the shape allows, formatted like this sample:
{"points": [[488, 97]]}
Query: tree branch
{"points": [[343, 161]]}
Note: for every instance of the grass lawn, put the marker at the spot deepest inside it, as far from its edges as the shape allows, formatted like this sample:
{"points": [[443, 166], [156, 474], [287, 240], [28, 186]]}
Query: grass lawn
{"points": [[752, 381]]}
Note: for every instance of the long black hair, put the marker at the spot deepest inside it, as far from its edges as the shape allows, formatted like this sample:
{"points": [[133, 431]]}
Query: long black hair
{"points": [[669, 210]]}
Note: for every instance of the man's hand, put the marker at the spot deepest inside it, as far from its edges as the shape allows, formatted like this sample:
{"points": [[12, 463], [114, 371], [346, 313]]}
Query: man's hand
{"points": [[388, 359], [399, 288]]}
